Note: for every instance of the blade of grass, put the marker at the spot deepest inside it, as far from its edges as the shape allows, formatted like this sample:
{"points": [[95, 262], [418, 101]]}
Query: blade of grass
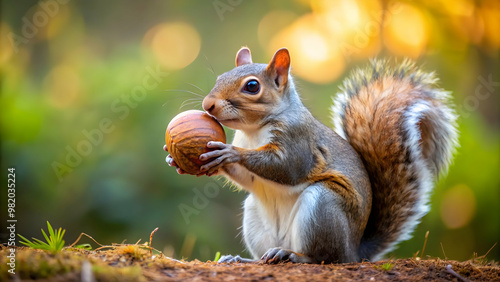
{"points": [[60, 239], [217, 257], [54, 241], [46, 237], [38, 241], [51, 231], [26, 241]]}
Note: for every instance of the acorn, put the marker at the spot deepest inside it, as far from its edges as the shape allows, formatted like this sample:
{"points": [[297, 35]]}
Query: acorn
{"points": [[187, 136]]}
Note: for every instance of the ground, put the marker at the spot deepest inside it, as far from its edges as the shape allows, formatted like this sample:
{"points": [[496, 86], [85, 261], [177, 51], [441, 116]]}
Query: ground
{"points": [[135, 263]]}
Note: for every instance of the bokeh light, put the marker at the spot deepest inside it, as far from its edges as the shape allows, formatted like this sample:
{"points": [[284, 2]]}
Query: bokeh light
{"points": [[175, 45], [339, 16], [457, 7], [57, 24], [272, 23], [353, 25], [63, 86], [315, 57], [323, 41], [458, 206], [407, 32], [5, 45], [491, 15]]}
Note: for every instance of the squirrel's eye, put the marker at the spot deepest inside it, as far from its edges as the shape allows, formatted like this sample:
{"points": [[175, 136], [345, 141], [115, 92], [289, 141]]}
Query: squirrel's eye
{"points": [[252, 86]]}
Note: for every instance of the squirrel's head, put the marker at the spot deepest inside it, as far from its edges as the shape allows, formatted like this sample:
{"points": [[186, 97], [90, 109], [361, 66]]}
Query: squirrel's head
{"points": [[244, 97]]}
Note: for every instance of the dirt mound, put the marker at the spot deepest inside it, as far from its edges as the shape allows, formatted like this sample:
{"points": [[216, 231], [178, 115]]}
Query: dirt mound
{"points": [[135, 263]]}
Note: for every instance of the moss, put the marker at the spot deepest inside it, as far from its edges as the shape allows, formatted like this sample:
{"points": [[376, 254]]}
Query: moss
{"points": [[37, 264], [134, 251], [109, 273]]}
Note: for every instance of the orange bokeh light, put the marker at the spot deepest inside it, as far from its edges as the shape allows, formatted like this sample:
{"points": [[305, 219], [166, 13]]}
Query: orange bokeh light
{"points": [[458, 206], [407, 32], [315, 56], [63, 86], [6, 48], [175, 45]]}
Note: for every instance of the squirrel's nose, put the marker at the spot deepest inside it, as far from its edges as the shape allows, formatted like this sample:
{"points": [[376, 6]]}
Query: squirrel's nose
{"points": [[210, 109], [209, 104]]}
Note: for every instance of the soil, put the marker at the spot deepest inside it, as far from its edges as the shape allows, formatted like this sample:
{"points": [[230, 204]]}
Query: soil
{"points": [[135, 263]]}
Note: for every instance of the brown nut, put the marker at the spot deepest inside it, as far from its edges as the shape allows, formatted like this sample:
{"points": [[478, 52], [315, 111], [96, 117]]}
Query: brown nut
{"points": [[187, 136]]}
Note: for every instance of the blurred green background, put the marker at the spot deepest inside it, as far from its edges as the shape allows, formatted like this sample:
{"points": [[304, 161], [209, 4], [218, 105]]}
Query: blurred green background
{"points": [[88, 88]]}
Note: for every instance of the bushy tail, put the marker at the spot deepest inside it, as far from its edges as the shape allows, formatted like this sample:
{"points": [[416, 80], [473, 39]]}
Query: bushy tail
{"points": [[405, 131]]}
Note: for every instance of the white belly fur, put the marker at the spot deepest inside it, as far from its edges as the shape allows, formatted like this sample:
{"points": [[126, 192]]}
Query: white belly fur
{"points": [[270, 211]]}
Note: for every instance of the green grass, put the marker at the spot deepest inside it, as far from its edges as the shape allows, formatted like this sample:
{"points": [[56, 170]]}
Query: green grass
{"points": [[217, 257], [54, 242], [386, 266]]}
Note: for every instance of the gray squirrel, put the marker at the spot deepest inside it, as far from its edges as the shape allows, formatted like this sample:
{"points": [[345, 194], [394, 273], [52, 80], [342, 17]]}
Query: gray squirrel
{"points": [[318, 195]]}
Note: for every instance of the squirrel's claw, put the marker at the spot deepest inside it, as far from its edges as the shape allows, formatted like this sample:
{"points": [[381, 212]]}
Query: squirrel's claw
{"points": [[170, 161], [276, 255]]}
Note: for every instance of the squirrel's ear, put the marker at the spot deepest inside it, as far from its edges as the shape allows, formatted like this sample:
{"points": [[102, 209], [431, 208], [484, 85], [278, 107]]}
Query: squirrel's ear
{"points": [[280, 66], [243, 57]]}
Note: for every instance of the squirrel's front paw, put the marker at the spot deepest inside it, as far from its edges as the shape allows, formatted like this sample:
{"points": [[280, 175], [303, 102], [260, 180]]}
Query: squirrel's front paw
{"points": [[171, 162], [222, 155], [233, 259]]}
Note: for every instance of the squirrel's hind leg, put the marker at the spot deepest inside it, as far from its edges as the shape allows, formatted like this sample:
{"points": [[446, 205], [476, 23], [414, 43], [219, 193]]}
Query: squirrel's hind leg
{"points": [[317, 229], [324, 228]]}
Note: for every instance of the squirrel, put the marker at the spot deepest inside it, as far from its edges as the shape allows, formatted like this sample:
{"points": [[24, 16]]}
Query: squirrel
{"points": [[318, 195]]}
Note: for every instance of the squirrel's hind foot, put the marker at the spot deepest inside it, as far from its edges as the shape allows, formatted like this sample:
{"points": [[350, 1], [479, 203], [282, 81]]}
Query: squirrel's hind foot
{"points": [[276, 255]]}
